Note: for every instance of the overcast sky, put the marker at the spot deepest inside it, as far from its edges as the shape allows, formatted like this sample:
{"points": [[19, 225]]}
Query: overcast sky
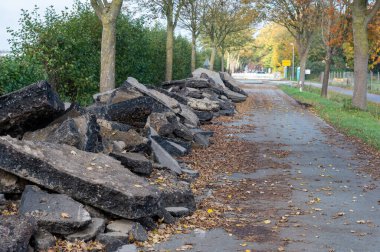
{"points": [[11, 11]]}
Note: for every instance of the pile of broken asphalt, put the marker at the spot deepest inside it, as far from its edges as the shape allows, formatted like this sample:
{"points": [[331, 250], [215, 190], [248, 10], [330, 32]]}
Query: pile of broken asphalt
{"points": [[100, 178]]}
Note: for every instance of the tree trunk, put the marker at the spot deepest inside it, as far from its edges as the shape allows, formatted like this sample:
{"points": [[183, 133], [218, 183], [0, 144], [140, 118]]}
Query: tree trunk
{"points": [[361, 48], [222, 63], [193, 51], [326, 75], [303, 59], [169, 50], [212, 59], [228, 62], [108, 51]]}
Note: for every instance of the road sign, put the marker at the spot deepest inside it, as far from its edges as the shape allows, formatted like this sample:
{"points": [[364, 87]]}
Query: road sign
{"points": [[286, 63], [307, 71]]}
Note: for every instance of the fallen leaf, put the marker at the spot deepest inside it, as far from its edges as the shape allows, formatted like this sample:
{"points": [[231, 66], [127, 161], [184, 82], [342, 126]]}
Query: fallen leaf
{"points": [[65, 215], [138, 186], [210, 211], [267, 221]]}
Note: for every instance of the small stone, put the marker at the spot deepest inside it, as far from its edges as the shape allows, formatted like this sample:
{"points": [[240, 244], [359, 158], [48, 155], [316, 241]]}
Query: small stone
{"points": [[120, 226], [148, 223], [57, 213], [43, 240], [178, 211], [165, 216], [95, 227], [118, 146], [113, 240], [135, 230]]}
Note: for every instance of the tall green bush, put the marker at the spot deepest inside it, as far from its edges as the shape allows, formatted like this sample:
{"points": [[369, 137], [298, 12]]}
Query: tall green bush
{"points": [[65, 48]]}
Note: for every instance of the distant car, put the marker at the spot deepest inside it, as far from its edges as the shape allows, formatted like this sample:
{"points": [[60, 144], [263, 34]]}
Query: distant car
{"points": [[260, 72]]}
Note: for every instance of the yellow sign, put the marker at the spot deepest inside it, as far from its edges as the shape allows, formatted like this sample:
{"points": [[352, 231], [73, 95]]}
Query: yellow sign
{"points": [[286, 63]]}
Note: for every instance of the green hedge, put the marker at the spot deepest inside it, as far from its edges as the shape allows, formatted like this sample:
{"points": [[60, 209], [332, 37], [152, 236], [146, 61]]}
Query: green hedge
{"points": [[65, 49]]}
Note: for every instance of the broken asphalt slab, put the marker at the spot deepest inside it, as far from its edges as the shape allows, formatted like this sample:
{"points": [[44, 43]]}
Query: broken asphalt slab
{"points": [[104, 182]]}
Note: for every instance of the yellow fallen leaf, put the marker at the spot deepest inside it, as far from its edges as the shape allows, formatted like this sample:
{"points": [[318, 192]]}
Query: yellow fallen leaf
{"points": [[247, 250], [243, 244], [138, 186], [267, 221], [65, 215], [210, 210], [229, 196], [281, 249]]}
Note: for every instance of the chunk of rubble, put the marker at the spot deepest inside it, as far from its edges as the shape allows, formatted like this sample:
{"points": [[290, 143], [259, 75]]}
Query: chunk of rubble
{"points": [[195, 82], [132, 112], [56, 213], [204, 104], [96, 226], [11, 184], [172, 147], [235, 97], [42, 240], [231, 83], [204, 116], [28, 109], [113, 131], [164, 99], [15, 233], [167, 101], [82, 132], [135, 230], [91, 178], [135, 162], [202, 72], [117, 95], [160, 123], [178, 211], [162, 156], [175, 193], [113, 240]]}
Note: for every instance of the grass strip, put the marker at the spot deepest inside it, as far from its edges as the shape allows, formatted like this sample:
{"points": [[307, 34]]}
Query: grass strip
{"points": [[337, 110]]}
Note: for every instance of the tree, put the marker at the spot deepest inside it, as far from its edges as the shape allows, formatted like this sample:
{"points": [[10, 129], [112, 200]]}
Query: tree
{"points": [[362, 14], [171, 10], [64, 48], [107, 12], [224, 17], [232, 45], [191, 21], [299, 18], [333, 27]]}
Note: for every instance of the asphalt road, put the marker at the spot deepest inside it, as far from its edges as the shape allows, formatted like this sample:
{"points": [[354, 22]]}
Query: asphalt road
{"points": [[371, 97], [332, 205]]}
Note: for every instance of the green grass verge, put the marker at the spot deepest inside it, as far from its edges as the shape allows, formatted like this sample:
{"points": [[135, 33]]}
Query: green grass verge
{"points": [[337, 110]]}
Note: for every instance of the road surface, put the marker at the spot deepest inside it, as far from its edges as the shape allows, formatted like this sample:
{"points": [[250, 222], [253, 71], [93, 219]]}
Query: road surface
{"points": [[371, 97], [315, 199]]}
